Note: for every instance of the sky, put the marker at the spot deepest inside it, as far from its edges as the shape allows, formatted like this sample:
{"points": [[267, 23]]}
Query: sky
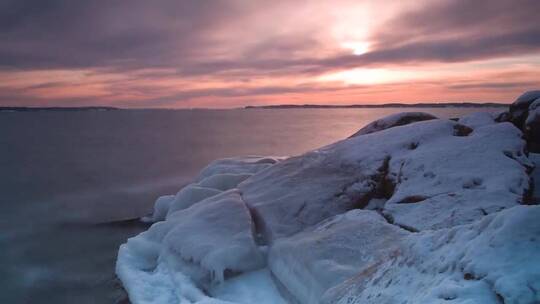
{"points": [[233, 53]]}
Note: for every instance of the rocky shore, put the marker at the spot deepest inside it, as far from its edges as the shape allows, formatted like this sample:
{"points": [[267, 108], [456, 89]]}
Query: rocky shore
{"points": [[409, 209]]}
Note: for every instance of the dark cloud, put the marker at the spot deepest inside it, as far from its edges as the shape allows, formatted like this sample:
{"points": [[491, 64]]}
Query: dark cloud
{"points": [[459, 30], [451, 50], [72, 34], [125, 35]]}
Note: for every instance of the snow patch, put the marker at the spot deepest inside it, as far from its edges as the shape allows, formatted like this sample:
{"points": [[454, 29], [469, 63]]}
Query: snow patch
{"points": [[477, 119]]}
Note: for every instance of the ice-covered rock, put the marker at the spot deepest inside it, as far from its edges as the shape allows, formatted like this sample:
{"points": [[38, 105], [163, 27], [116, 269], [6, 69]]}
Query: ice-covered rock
{"points": [[443, 221], [442, 186], [520, 107], [533, 116], [490, 261], [256, 287], [237, 165], [394, 120], [190, 195], [220, 175], [217, 234], [359, 258], [323, 256], [435, 174], [204, 243], [223, 181], [161, 207]]}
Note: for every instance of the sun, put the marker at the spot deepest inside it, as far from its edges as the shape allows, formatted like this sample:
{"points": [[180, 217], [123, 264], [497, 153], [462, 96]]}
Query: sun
{"points": [[357, 47]]}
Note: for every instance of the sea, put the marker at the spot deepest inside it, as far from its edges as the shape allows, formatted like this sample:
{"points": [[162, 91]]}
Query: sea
{"points": [[72, 184]]}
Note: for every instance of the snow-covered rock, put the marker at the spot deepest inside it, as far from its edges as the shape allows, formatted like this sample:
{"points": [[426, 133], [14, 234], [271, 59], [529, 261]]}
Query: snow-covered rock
{"points": [[394, 120], [443, 220], [161, 208], [519, 108], [223, 181], [477, 119], [443, 186], [435, 174], [358, 257], [204, 243], [493, 260], [323, 256], [256, 287], [217, 235], [220, 175], [189, 196], [237, 165]]}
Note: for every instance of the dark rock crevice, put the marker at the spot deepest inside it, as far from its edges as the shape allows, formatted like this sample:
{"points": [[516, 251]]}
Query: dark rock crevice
{"points": [[412, 199], [528, 195], [258, 229], [390, 220], [462, 130], [386, 185], [382, 187]]}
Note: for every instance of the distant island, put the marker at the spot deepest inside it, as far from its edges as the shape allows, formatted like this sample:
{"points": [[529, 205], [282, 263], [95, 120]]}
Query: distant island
{"points": [[387, 105], [69, 109]]}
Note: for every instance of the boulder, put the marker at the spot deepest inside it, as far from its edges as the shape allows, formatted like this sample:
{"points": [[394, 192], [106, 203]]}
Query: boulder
{"points": [[432, 174], [524, 114], [311, 262], [220, 175], [190, 251], [394, 120], [532, 126]]}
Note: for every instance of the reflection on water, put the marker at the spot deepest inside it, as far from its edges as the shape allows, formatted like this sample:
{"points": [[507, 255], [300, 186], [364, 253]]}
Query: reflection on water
{"points": [[66, 175]]}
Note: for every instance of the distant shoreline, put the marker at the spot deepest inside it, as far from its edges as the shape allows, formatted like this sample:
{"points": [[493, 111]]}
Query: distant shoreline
{"points": [[283, 106], [387, 105], [68, 109]]}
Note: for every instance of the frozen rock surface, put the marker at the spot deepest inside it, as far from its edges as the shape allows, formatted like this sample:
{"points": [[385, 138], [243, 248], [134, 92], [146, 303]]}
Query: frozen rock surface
{"points": [[489, 261], [394, 120], [161, 208], [429, 212], [522, 103], [237, 165], [323, 256], [220, 175], [434, 174], [204, 242]]}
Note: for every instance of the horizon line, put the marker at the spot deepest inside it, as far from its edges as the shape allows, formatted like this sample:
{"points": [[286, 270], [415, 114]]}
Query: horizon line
{"points": [[270, 106]]}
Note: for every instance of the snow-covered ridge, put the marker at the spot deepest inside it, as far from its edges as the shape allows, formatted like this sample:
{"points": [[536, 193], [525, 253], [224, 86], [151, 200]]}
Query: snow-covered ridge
{"points": [[413, 210]]}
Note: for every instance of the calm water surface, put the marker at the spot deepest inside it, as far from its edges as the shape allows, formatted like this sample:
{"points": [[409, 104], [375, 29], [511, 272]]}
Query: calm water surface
{"points": [[66, 177]]}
